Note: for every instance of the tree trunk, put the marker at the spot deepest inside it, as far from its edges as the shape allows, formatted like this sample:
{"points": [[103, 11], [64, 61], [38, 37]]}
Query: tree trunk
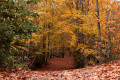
{"points": [[77, 4], [99, 30]]}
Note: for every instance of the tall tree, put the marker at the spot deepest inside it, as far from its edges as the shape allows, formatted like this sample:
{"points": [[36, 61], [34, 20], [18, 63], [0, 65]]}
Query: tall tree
{"points": [[98, 26]]}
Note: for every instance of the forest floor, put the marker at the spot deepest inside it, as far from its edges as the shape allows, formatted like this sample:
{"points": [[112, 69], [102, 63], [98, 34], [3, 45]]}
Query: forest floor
{"points": [[57, 64], [55, 70]]}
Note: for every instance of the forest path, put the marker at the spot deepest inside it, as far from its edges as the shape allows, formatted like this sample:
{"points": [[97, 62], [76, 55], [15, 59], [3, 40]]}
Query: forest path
{"points": [[56, 63]]}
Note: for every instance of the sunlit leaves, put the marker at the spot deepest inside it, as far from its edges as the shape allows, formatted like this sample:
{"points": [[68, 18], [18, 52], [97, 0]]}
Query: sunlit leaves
{"points": [[85, 50]]}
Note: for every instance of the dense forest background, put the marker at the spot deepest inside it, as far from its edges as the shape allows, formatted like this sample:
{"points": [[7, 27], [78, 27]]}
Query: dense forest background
{"points": [[34, 31]]}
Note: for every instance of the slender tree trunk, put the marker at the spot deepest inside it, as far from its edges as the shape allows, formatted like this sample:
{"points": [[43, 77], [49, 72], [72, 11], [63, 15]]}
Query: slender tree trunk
{"points": [[99, 30], [63, 51], [98, 20], [77, 4], [109, 41], [83, 5], [109, 37], [118, 49]]}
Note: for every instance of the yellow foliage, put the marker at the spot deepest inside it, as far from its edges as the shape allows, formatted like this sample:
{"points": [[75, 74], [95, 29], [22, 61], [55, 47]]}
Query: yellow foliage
{"points": [[23, 48], [60, 19], [85, 50]]}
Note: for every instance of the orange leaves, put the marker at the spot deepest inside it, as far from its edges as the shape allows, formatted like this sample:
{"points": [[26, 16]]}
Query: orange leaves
{"points": [[60, 1], [118, 35], [23, 48], [61, 22], [106, 71]]}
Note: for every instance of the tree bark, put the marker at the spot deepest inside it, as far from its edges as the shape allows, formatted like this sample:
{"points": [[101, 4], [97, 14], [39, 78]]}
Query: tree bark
{"points": [[77, 4], [99, 29]]}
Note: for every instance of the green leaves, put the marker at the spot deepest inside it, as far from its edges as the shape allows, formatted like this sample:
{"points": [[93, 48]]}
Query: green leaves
{"points": [[15, 22], [33, 1], [16, 18]]}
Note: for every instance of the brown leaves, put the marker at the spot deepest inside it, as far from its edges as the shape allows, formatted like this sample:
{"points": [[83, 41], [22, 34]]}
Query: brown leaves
{"points": [[108, 71]]}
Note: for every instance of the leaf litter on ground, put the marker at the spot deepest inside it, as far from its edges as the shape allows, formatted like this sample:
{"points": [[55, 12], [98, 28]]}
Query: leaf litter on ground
{"points": [[107, 71]]}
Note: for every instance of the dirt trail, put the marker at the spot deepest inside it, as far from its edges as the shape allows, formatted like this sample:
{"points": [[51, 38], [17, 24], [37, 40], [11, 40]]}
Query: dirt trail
{"points": [[56, 64]]}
